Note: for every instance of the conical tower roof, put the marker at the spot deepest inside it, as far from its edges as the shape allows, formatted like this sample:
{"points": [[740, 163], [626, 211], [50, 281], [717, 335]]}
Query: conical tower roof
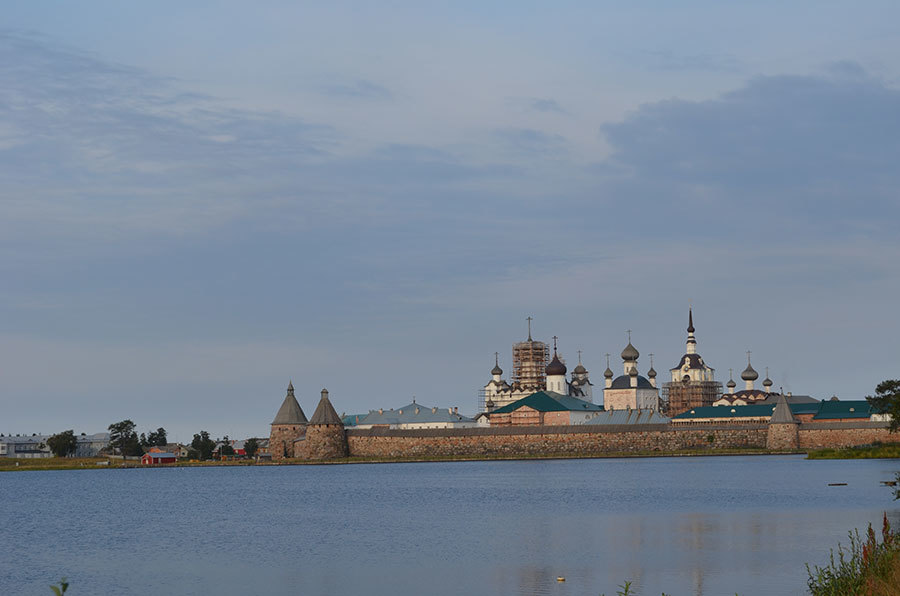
{"points": [[290, 411], [325, 413], [782, 413]]}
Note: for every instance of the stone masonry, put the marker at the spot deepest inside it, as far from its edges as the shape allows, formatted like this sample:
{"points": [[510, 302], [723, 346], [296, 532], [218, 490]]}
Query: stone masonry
{"points": [[556, 440]]}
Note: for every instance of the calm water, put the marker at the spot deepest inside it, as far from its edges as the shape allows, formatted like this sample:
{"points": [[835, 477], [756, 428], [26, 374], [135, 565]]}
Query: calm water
{"points": [[716, 525]]}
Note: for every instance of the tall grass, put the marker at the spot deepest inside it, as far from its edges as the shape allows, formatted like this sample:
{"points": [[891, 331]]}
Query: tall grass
{"points": [[866, 568]]}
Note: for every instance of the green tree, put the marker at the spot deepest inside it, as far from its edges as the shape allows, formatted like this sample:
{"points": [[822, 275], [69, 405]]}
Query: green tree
{"points": [[887, 401], [154, 438], [123, 439], [63, 444], [203, 445], [226, 448], [251, 446]]}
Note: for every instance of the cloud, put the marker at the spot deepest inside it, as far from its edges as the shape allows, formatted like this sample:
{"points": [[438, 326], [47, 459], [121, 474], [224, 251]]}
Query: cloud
{"points": [[531, 142], [546, 105], [670, 61], [359, 89], [810, 149], [137, 211]]}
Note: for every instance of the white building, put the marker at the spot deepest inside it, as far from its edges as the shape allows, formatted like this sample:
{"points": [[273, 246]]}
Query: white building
{"points": [[630, 390]]}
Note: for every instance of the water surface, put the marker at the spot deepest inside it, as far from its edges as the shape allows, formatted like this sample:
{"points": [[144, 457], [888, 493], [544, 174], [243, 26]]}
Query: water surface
{"points": [[700, 525]]}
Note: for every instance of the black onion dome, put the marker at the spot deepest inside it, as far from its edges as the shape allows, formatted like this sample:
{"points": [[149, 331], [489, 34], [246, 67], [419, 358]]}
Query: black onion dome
{"points": [[555, 367], [580, 369], [608, 373], [768, 382], [630, 352], [632, 372], [496, 370], [651, 373], [731, 383], [749, 374]]}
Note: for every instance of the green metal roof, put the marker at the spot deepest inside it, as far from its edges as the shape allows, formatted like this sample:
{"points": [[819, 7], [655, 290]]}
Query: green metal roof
{"points": [[749, 411], [548, 401], [855, 408], [825, 410]]}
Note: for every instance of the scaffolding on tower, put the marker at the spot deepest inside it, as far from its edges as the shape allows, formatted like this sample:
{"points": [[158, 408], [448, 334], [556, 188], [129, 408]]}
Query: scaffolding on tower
{"points": [[682, 396], [530, 359]]}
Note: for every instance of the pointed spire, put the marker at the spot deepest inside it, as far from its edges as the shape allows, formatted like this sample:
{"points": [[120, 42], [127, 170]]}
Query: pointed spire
{"points": [[782, 413], [291, 386], [325, 412], [290, 411], [529, 318], [690, 328]]}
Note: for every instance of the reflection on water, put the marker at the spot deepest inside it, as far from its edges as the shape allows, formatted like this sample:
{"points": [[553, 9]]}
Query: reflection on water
{"points": [[710, 526]]}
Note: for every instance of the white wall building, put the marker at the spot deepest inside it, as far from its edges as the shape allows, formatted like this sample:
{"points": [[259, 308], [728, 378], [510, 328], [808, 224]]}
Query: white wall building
{"points": [[630, 390]]}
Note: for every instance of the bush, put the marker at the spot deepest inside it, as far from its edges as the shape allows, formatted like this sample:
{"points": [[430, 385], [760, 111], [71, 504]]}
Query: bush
{"points": [[866, 568]]}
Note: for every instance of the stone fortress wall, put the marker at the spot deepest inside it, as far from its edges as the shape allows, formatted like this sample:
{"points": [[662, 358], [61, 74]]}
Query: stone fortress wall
{"points": [[587, 440]]}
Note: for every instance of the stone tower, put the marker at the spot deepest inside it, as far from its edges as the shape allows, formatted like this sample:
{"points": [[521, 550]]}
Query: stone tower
{"points": [[288, 426], [784, 430], [325, 437]]}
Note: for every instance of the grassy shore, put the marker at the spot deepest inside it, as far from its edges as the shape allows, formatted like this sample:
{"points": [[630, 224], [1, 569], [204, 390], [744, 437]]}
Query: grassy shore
{"points": [[96, 463], [865, 452], [868, 567]]}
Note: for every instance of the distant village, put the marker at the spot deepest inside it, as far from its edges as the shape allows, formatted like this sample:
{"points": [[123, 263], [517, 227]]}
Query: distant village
{"points": [[539, 392]]}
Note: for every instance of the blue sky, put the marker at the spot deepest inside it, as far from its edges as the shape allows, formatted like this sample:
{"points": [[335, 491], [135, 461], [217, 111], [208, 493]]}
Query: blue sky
{"points": [[202, 202]]}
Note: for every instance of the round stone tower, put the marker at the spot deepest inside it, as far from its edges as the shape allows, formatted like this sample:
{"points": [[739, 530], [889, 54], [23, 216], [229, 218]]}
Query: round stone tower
{"points": [[325, 436], [783, 430], [288, 426]]}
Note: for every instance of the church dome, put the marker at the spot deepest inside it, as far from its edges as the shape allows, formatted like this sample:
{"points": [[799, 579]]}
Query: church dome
{"points": [[651, 374], [749, 374], [632, 372], [555, 367], [608, 373], [580, 369], [630, 352], [731, 383], [768, 382], [496, 370]]}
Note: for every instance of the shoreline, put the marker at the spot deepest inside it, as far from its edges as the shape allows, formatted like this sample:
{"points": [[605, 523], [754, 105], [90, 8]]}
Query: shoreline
{"points": [[52, 464]]}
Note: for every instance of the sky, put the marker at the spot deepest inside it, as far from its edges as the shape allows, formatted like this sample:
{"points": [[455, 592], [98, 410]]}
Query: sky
{"points": [[203, 202]]}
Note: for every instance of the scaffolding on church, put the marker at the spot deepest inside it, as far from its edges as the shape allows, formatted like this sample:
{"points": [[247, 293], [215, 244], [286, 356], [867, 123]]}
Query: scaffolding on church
{"points": [[681, 396], [530, 359]]}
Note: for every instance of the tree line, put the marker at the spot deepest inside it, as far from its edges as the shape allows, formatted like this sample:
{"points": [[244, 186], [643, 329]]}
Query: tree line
{"points": [[124, 440]]}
